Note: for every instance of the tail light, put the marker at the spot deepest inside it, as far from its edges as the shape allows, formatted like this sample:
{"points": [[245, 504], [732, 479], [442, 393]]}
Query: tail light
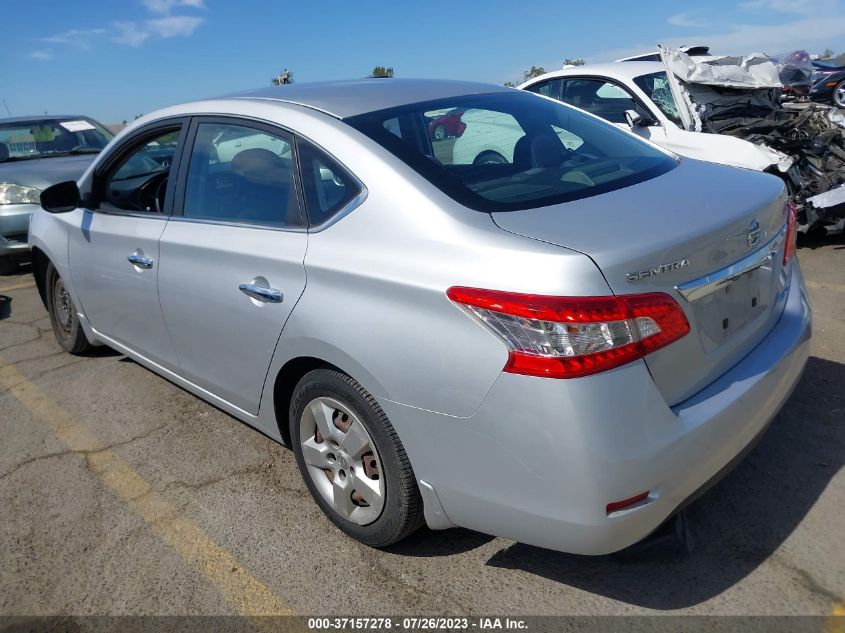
{"points": [[568, 337], [791, 235]]}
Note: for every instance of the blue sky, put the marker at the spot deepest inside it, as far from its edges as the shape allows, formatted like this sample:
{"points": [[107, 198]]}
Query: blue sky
{"points": [[113, 60]]}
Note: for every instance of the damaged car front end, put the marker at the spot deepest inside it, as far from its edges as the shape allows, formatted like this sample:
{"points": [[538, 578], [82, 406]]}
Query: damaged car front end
{"points": [[741, 97]]}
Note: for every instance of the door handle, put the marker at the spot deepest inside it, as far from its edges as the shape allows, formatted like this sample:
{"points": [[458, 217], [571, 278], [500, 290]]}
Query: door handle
{"points": [[140, 261], [260, 293]]}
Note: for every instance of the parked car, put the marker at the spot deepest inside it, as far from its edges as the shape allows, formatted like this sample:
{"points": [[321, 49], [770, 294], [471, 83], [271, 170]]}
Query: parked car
{"points": [[36, 152], [725, 123], [561, 349], [446, 125], [636, 96], [828, 83]]}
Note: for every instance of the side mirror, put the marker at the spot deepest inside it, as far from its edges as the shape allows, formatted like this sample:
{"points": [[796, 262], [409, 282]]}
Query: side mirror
{"points": [[61, 198], [636, 119], [633, 118]]}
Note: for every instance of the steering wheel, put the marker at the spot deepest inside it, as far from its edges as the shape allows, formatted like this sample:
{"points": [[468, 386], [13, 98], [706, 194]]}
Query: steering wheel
{"points": [[150, 195]]}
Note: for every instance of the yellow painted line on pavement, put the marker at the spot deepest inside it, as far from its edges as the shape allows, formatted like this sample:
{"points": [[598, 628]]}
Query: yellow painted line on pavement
{"points": [[836, 621], [29, 284], [248, 595]]}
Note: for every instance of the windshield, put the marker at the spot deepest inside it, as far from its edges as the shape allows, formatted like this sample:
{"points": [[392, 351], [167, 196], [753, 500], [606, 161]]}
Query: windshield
{"points": [[656, 87], [40, 138], [515, 150]]}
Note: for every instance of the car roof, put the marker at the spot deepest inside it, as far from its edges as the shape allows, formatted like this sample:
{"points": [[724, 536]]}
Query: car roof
{"points": [[344, 99], [622, 71], [41, 117]]}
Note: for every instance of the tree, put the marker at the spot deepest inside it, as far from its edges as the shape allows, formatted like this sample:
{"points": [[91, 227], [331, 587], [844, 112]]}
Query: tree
{"points": [[573, 62], [381, 71], [534, 71], [509, 84], [827, 54]]}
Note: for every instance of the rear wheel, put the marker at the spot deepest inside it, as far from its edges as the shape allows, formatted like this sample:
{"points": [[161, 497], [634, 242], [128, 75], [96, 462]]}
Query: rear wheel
{"points": [[63, 315], [490, 158], [839, 94], [352, 460]]}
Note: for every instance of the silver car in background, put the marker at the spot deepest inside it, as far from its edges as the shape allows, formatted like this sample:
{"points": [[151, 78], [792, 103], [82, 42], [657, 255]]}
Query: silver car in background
{"points": [[561, 348], [35, 153]]}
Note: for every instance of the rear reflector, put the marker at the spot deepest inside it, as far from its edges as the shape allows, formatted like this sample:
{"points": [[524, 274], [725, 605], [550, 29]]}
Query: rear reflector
{"points": [[791, 234], [568, 337], [625, 503]]}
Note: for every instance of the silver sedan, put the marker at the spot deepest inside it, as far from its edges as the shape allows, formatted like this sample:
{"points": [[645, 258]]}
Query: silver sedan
{"points": [[561, 347]]}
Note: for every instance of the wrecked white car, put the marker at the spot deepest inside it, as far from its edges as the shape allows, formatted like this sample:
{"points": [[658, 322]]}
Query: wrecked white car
{"points": [[645, 96], [638, 96], [740, 97]]}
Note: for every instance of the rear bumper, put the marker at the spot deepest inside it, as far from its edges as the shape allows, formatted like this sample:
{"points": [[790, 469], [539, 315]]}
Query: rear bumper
{"points": [[540, 459], [14, 227]]}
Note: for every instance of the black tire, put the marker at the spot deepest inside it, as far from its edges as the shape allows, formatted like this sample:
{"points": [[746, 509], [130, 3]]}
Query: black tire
{"points": [[9, 265], [402, 513], [490, 158], [63, 317]]}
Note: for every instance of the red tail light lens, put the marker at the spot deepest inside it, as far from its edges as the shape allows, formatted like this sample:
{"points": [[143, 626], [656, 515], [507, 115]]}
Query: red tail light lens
{"points": [[568, 337], [791, 234]]}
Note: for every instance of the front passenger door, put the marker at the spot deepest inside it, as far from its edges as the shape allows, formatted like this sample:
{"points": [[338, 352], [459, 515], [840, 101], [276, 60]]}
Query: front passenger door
{"points": [[232, 256], [609, 101]]}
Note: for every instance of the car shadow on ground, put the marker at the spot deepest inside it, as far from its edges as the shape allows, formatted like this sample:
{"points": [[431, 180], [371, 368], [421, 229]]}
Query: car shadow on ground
{"points": [[819, 240], [733, 528], [432, 543]]}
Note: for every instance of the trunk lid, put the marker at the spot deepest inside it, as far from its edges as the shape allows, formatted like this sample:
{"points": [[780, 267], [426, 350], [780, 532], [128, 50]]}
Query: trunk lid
{"points": [[702, 233]]}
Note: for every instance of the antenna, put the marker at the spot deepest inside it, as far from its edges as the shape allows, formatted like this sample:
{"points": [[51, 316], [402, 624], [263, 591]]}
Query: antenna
{"points": [[8, 112]]}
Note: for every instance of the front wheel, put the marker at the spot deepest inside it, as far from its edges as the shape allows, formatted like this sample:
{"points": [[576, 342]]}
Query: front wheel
{"points": [[8, 265], [352, 460], [839, 94], [63, 315]]}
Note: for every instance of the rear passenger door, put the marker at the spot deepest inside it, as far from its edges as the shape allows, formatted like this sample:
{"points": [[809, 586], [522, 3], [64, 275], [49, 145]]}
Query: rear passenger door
{"points": [[232, 255]]}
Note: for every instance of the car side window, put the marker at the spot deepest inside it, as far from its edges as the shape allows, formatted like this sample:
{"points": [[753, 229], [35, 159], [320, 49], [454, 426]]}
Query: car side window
{"points": [[138, 182], [602, 98], [328, 187], [241, 174], [548, 88]]}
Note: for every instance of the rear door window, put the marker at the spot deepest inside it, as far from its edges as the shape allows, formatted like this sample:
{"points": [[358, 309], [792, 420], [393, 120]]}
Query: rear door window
{"points": [[242, 174]]}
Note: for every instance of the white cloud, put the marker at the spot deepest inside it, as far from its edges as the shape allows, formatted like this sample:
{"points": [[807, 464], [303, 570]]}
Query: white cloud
{"points": [[810, 33], [165, 6], [74, 37], [687, 19], [129, 33], [42, 55], [803, 7], [174, 25]]}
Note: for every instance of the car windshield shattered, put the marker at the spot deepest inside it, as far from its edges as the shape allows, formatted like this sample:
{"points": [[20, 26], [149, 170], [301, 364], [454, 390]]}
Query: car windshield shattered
{"points": [[514, 151], [51, 136]]}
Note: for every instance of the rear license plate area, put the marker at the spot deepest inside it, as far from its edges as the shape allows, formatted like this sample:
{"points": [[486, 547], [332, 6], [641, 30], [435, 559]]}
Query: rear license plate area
{"points": [[727, 311]]}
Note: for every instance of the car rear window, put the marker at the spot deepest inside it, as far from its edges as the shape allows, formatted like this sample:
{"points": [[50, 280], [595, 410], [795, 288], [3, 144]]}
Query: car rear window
{"points": [[513, 150]]}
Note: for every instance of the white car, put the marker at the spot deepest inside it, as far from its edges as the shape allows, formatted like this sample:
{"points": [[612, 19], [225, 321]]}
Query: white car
{"points": [[615, 91]]}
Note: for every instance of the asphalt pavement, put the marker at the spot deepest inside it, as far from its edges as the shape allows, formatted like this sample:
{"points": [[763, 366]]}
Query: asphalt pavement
{"points": [[122, 494]]}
